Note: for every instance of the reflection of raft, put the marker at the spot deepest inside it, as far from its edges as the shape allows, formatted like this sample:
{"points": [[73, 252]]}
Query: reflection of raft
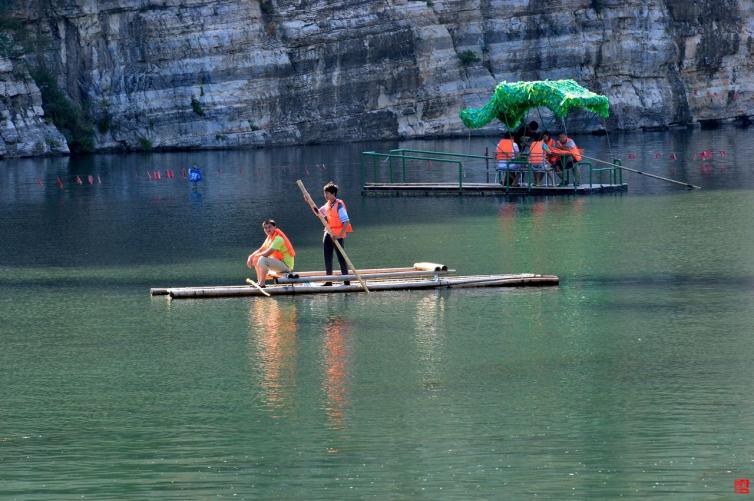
{"points": [[420, 276]]}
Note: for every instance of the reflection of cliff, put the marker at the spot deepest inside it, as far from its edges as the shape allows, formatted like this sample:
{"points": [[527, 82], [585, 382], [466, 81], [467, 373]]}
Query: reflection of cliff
{"points": [[335, 382], [273, 339], [226, 73]]}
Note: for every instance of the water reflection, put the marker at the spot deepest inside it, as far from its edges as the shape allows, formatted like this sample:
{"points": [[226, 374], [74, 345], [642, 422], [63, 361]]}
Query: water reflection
{"points": [[430, 314], [272, 340], [336, 355]]}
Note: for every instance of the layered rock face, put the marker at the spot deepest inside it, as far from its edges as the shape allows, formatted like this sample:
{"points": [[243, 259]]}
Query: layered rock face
{"points": [[227, 73], [23, 129]]}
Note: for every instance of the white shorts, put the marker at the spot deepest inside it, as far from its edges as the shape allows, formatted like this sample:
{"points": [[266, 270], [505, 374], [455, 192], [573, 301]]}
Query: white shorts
{"points": [[505, 165]]}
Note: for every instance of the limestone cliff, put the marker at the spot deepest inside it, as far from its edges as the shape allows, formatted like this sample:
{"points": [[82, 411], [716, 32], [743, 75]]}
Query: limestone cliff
{"points": [[227, 73]]}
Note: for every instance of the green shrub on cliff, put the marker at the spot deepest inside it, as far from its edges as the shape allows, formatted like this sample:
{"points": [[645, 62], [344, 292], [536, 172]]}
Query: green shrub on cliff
{"points": [[197, 106], [75, 125], [468, 57]]}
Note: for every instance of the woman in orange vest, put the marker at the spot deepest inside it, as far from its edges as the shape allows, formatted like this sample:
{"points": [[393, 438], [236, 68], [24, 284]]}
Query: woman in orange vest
{"points": [[538, 151], [276, 253], [336, 215], [506, 150]]}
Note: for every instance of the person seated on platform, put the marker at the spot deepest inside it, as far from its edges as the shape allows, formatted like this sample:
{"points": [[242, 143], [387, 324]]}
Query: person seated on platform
{"points": [[570, 153], [538, 151], [275, 254], [507, 150], [553, 160], [523, 135]]}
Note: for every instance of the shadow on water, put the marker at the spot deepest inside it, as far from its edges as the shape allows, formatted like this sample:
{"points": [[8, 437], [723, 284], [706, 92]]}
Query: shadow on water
{"points": [[664, 281]]}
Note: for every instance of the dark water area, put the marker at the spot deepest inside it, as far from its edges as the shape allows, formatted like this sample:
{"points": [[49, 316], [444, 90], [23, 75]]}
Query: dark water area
{"points": [[629, 380]]}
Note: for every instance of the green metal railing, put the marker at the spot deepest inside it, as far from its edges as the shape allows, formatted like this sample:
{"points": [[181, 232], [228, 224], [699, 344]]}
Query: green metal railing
{"points": [[391, 157], [616, 173], [403, 151], [401, 155]]}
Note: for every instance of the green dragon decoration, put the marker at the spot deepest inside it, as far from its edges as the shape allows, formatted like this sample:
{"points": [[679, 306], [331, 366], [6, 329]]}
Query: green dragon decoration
{"points": [[511, 101]]}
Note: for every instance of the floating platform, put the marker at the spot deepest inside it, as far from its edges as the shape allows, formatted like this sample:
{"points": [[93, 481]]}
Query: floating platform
{"points": [[421, 276], [485, 189]]}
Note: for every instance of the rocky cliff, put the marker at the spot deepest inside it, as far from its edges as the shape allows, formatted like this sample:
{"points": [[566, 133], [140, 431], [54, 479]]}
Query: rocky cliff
{"points": [[227, 73]]}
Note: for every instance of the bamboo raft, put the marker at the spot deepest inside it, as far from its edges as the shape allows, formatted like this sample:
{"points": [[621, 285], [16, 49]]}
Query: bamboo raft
{"points": [[420, 276]]}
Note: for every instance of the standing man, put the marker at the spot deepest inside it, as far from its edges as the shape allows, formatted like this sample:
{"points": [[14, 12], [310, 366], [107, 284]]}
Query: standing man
{"points": [[336, 215], [276, 253]]}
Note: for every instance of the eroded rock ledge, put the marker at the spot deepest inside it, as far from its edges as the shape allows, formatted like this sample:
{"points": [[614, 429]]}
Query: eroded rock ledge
{"points": [[229, 73]]}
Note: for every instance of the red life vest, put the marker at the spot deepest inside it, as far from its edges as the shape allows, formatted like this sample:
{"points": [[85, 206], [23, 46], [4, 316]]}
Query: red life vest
{"points": [[552, 158], [333, 218], [536, 153], [505, 149], [276, 253]]}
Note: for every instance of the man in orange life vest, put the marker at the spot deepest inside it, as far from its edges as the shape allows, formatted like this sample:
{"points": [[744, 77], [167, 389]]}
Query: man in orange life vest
{"points": [[571, 153], [276, 253], [334, 211]]}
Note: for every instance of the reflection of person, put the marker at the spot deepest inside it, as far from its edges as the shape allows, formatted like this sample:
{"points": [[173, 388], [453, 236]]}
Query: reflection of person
{"points": [[336, 215], [506, 150], [274, 352], [276, 253]]}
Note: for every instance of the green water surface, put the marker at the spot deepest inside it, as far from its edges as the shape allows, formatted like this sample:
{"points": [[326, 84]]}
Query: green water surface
{"points": [[631, 379]]}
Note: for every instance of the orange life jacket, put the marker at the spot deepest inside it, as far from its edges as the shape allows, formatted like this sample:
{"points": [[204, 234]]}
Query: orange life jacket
{"points": [[505, 149], [276, 253], [575, 152], [552, 158], [536, 153], [333, 218]]}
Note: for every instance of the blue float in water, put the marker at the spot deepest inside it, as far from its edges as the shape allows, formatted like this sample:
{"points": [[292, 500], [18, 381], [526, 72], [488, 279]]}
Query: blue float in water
{"points": [[194, 174]]}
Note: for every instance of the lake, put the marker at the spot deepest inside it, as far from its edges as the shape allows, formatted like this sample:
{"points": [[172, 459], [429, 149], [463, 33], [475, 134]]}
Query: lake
{"points": [[632, 379]]}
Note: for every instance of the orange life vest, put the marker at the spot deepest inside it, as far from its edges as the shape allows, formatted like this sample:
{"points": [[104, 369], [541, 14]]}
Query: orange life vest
{"points": [[536, 153], [575, 151], [333, 218], [552, 158], [505, 149], [276, 253]]}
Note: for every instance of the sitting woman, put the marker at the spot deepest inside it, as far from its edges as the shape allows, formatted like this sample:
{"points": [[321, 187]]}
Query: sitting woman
{"points": [[506, 151], [538, 151]]}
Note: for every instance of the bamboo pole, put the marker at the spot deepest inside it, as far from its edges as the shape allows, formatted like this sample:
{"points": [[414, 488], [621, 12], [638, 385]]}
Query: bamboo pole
{"points": [[692, 186], [252, 282], [322, 220], [336, 278]]}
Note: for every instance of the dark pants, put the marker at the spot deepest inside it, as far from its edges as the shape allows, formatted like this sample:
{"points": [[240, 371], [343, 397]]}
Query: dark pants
{"points": [[328, 246]]}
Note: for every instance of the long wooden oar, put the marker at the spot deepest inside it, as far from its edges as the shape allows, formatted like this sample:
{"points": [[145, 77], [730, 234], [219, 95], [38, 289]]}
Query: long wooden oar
{"points": [[322, 220], [692, 186]]}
